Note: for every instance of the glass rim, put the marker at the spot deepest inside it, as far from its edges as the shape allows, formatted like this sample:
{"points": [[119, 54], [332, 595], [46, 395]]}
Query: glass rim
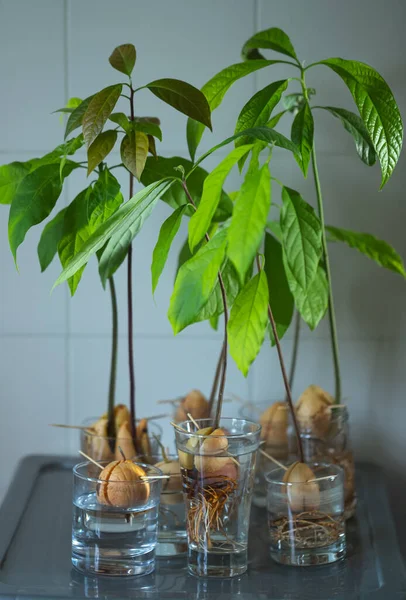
{"points": [[270, 476], [106, 437], [253, 433], [104, 463]]}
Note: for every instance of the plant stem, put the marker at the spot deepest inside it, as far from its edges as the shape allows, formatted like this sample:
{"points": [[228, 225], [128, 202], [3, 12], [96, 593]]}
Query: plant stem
{"points": [[216, 381], [223, 363], [111, 429], [285, 378], [292, 371], [130, 306], [331, 311]]}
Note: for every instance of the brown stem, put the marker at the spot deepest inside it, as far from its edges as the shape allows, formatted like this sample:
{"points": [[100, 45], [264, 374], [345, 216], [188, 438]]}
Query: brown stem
{"points": [[292, 369], [130, 306], [285, 379], [216, 381], [223, 363]]}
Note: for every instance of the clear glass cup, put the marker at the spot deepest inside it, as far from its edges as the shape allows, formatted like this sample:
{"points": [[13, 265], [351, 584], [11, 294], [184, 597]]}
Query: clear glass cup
{"points": [[274, 420], [102, 448], [115, 523], [172, 538], [306, 520], [328, 439], [218, 481]]}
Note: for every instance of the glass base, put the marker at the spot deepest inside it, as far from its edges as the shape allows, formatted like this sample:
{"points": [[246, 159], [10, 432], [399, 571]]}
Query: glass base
{"points": [[114, 567], [310, 557], [217, 564]]}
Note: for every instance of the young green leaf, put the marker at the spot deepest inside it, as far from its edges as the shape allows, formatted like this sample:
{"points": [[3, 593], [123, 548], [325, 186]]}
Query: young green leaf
{"points": [[355, 126], [275, 119], [66, 149], [215, 90], [33, 201], [147, 127], [184, 97], [280, 296], [258, 109], [301, 240], [195, 282], [161, 167], [121, 119], [123, 58], [49, 240], [248, 320], [213, 184], [377, 107], [11, 176], [76, 118], [100, 148], [98, 111], [134, 152], [269, 39], [214, 307], [249, 218], [312, 304], [302, 135], [377, 250], [118, 223], [166, 236]]}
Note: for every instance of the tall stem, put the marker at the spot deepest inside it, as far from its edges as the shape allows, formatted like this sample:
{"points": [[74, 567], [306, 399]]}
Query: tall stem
{"points": [[216, 381], [331, 311], [130, 304], [111, 430], [293, 362], [285, 379], [222, 363]]}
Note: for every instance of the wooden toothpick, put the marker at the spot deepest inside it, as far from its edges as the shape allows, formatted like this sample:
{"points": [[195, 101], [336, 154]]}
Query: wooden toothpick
{"points": [[271, 458], [189, 416], [178, 427], [148, 477], [81, 427], [91, 460]]}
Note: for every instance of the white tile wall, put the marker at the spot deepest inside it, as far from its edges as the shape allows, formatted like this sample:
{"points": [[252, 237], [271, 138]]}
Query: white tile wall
{"points": [[55, 350]]}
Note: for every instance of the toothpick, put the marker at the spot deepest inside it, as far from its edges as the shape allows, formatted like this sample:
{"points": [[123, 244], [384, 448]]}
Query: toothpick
{"points": [[336, 406], [178, 427], [189, 416], [173, 401], [233, 459], [332, 477], [122, 453], [91, 460], [156, 417], [148, 477], [269, 457], [81, 427]]}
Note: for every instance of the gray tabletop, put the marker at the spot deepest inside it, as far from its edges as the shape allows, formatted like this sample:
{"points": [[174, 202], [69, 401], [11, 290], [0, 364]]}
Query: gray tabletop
{"points": [[35, 535]]}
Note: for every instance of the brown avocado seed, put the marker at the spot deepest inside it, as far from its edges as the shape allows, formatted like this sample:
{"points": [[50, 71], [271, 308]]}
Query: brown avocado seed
{"points": [[195, 404], [124, 441], [121, 485], [142, 437], [186, 459], [274, 422], [172, 487], [302, 496], [98, 443], [313, 410], [215, 443]]}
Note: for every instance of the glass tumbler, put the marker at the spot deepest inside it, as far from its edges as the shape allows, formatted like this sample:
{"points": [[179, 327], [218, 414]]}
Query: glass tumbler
{"points": [[115, 522], [218, 479], [306, 520]]}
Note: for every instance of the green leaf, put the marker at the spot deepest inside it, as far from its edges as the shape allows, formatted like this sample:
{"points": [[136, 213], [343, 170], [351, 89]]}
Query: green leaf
{"points": [[249, 219], [123, 58], [76, 118], [66, 149], [195, 282], [134, 152], [355, 126], [302, 249], [90, 209], [302, 135], [313, 304], [269, 39], [34, 199], [275, 119], [11, 176], [248, 320], [100, 148], [214, 321], [275, 228], [184, 97], [98, 111], [280, 297], [377, 250], [49, 240], [117, 247], [270, 136], [258, 109], [166, 236], [147, 127], [122, 120], [377, 107], [215, 90], [161, 167], [200, 222], [214, 307]]}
